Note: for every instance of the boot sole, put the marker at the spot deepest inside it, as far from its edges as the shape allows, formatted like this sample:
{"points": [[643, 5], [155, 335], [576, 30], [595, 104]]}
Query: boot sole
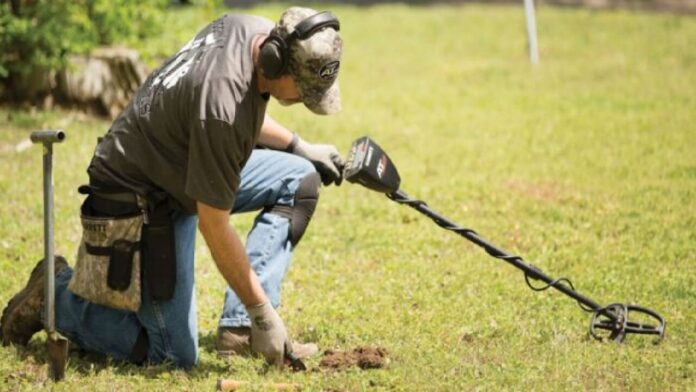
{"points": [[301, 351]]}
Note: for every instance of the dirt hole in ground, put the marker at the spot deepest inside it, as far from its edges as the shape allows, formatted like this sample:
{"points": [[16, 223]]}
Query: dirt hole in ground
{"points": [[364, 357]]}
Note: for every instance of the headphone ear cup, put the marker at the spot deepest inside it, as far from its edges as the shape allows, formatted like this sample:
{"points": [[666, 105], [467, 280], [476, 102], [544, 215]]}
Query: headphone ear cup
{"points": [[272, 58]]}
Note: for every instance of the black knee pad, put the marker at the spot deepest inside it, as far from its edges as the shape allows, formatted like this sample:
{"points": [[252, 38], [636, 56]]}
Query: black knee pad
{"points": [[299, 214]]}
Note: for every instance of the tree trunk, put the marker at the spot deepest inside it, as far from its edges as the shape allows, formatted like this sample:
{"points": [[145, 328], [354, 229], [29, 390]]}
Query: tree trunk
{"points": [[104, 81]]}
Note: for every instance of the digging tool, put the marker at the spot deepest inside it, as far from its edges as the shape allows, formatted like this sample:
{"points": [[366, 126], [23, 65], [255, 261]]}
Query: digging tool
{"points": [[367, 164], [234, 385], [56, 345]]}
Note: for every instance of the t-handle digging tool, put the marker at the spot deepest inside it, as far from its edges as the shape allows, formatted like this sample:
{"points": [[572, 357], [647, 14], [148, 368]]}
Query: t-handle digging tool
{"points": [[56, 345], [369, 165]]}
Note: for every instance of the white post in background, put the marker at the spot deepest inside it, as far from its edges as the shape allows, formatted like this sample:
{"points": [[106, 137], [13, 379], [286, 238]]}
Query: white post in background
{"points": [[531, 31]]}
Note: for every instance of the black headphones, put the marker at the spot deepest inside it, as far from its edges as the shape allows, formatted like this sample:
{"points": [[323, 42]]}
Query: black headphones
{"points": [[275, 51]]}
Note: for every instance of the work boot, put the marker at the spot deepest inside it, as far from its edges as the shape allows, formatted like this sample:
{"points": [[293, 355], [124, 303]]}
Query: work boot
{"points": [[21, 318], [236, 341]]}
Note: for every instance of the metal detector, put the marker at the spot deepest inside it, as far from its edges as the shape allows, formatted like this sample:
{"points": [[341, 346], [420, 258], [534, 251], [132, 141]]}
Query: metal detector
{"points": [[56, 345], [369, 165]]}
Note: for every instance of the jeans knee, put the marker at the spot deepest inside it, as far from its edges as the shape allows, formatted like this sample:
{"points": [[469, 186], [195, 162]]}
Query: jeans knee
{"points": [[186, 358], [181, 352], [296, 169], [300, 167]]}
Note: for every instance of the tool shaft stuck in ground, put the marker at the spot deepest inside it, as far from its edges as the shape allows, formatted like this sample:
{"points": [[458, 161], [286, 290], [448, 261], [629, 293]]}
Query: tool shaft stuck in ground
{"points": [[57, 346], [368, 165]]}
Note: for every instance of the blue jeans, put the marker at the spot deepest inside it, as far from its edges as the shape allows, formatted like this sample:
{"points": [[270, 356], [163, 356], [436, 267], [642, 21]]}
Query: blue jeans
{"points": [[268, 178]]}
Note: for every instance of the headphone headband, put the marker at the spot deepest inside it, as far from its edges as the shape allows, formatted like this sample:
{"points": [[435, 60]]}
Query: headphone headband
{"points": [[309, 26]]}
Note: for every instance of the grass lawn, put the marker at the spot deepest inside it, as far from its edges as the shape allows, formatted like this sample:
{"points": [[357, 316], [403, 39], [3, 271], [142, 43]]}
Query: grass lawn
{"points": [[586, 166]]}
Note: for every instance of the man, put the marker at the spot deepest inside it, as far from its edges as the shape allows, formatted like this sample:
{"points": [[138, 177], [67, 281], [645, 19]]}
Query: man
{"points": [[189, 134]]}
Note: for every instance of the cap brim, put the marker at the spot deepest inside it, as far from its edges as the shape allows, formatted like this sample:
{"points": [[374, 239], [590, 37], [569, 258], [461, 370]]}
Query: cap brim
{"points": [[328, 102]]}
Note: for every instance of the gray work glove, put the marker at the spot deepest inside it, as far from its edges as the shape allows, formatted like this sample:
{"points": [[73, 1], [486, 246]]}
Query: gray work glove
{"points": [[324, 157], [268, 334]]}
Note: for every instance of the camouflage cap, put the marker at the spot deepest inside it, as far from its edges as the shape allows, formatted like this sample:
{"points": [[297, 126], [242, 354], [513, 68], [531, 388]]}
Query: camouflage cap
{"points": [[314, 62]]}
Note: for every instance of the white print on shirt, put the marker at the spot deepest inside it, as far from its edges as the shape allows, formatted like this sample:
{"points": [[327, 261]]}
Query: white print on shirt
{"points": [[182, 63], [178, 66]]}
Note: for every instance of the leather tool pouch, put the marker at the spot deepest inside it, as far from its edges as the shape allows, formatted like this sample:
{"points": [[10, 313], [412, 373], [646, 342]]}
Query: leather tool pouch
{"points": [[159, 251], [107, 271]]}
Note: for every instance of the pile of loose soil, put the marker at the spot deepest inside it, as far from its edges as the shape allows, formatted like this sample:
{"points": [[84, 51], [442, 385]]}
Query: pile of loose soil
{"points": [[364, 357]]}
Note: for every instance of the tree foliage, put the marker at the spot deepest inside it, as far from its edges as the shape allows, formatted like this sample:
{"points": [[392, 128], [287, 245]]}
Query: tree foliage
{"points": [[38, 35]]}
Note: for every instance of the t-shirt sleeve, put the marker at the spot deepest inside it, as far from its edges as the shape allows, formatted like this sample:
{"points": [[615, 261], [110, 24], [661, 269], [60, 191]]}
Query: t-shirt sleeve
{"points": [[215, 160]]}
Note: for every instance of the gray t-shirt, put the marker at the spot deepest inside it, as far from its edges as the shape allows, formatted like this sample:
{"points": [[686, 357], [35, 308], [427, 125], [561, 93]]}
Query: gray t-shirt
{"points": [[193, 123]]}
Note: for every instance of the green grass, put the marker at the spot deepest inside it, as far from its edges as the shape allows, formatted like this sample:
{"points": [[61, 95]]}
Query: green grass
{"points": [[585, 165]]}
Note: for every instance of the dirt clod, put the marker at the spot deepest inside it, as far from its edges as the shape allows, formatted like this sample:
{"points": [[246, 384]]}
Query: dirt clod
{"points": [[364, 357]]}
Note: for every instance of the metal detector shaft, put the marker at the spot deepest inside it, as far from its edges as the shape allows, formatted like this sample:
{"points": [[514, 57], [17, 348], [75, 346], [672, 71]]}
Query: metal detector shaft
{"points": [[613, 318], [57, 346], [529, 269]]}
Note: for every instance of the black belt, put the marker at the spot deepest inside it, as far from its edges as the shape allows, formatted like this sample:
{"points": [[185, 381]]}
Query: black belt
{"points": [[119, 196], [122, 197]]}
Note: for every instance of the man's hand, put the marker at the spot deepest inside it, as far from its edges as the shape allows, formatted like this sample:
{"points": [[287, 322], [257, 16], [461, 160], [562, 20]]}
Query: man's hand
{"points": [[268, 334], [324, 157]]}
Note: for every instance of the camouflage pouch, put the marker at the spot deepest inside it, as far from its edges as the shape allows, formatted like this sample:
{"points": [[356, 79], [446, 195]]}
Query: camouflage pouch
{"points": [[107, 271]]}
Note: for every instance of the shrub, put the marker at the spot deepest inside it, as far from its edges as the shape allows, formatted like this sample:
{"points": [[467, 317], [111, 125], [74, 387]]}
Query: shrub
{"points": [[37, 36]]}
